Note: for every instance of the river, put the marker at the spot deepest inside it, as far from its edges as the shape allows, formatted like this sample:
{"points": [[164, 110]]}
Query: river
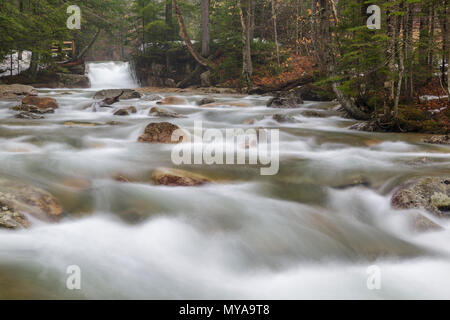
{"points": [[303, 233]]}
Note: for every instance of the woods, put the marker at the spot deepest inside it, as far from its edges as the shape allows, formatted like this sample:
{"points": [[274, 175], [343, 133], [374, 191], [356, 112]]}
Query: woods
{"points": [[256, 44]]}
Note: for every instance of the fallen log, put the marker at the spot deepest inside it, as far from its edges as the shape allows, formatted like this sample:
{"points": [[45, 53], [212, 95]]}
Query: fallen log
{"points": [[285, 86]]}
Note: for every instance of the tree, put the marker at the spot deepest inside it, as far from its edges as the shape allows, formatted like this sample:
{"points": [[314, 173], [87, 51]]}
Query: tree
{"points": [[245, 12]]}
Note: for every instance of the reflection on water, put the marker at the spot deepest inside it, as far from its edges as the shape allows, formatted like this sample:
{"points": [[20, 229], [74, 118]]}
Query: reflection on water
{"points": [[309, 232]]}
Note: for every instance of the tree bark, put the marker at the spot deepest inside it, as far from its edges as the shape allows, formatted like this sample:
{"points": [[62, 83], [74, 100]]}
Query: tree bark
{"points": [[184, 35], [205, 28], [247, 67], [275, 29]]}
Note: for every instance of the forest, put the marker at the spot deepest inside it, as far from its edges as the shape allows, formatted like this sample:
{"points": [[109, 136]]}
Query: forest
{"points": [[264, 46]]}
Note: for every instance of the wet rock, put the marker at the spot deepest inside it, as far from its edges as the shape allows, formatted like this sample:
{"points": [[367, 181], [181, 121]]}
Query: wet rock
{"points": [[441, 139], [80, 124], [11, 219], [283, 118], [285, 100], [205, 79], [177, 177], [227, 104], [112, 93], [159, 132], [15, 91], [125, 111], [28, 116], [26, 199], [204, 101], [39, 105], [33, 109], [159, 112], [313, 114], [370, 126], [152, 97], [173, 101], [249, 122], [420, 223], [429, 193]]}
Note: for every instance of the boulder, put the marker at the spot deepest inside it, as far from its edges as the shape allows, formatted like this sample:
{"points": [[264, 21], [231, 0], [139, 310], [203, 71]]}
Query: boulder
{"points": [[429, 193], [152, 97], [227, 104], [285, 100], [173, 101], [112, 93], [11, 219], [205, 79], [170, 83], [178, 177], [68, 80], [125, 111], [441, 139], [206, 100], [37, 105], [21, 200], [159, 132], [15, 91], [159, 112]]}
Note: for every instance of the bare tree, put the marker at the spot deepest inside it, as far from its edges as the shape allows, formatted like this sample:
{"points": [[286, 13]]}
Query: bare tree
{"points": [[275, 29], [245, 11]]}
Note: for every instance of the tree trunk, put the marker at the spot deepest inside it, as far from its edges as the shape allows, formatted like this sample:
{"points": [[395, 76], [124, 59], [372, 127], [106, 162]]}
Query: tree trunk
{"points": [[205, 29], [184, 35], [401, 52], [275, 29], [247, 67]]}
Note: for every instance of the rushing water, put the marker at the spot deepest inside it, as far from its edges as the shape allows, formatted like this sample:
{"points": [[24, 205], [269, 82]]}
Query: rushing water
{"points": [[111, 75], [299, 234]]}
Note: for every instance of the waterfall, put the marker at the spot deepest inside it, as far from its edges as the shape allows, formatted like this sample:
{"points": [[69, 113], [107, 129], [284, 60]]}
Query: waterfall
{"points": [[111, 75]]}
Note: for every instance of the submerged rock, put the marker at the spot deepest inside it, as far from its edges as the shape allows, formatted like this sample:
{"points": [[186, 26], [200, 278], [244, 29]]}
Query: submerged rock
{"points": [[204, 101], [159, 132], [283, 118], [152, 97], [111, 93], [227, 104], [159, 112], [172, 101], [441, 139], [429, 193], [21, 199], [125, 111], [15, 91], [28, 115], [11, 219], [178, 177]]}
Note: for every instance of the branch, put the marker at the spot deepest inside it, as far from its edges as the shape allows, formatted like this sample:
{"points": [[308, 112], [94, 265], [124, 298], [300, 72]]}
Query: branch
{"points": [[183, 33]]}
